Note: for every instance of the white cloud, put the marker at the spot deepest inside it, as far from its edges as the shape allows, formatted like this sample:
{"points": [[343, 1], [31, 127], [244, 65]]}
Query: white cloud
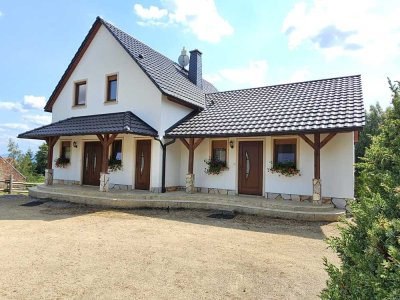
{"points": [[253, 75], [197, 16], [36, 102], [15, 126], [365, 29], [300, 75], [153, 12], [38, 119], [14, 106], [1, 14]]}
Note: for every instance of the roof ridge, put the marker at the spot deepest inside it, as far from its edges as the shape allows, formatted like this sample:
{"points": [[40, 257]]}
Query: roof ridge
{"points": [[282, 84]]}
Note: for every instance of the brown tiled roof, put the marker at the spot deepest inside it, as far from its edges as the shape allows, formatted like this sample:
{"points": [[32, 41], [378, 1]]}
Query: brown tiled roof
{"points": [[123, 122], [333, 104]]}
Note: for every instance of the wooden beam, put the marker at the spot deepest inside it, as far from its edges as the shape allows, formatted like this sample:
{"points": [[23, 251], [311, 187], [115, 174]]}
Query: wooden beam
{"points": [[307, 140], [198, 142], [327, 139], [185, 143], [51, 141], [317, 155], [100, 137], [112, 138], [191, 155], [106, 141]]}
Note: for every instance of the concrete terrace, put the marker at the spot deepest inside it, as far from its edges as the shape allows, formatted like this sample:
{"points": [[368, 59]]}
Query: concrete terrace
{"points": [[283, 209]]}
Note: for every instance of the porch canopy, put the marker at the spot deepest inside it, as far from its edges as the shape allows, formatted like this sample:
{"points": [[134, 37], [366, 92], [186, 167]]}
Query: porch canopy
{"points": [[316, 107], [105, 126]]}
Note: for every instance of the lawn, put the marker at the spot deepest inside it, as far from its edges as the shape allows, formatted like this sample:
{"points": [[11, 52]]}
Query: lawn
{"points": [[65, 251]]}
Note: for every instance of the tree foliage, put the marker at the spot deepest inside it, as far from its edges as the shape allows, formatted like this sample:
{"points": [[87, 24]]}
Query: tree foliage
{"points": [[41, 159], [373, 121], [27, 163], [369, 244]]}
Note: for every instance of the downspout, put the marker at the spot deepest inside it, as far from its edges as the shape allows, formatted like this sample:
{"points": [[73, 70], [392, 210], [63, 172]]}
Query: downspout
{"points": [[164, 158]]}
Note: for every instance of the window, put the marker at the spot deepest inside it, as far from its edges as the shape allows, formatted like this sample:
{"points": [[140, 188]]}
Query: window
{"points": [[112, 88], [285, 152], [80, 93], [116, 150], [219, 151], [65, 150]]}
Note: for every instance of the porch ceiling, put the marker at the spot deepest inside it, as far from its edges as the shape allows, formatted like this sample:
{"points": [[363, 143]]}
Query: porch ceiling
{"points": [[123, 122]]}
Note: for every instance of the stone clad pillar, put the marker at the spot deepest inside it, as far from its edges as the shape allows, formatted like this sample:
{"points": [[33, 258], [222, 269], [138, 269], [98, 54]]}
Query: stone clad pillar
{"points": [[104, 182], [48, 176], [317, 195], [190, 183]]}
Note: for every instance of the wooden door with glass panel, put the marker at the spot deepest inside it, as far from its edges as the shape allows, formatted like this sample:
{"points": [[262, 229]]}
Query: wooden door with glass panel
{"points": [[143, 160], [250, 167], [92, 163]]}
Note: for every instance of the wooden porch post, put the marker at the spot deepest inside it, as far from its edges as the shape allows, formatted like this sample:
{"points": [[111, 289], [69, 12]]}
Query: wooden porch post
{"points": [[191, 146], [106, 140], [317, 146], [51, 141]]}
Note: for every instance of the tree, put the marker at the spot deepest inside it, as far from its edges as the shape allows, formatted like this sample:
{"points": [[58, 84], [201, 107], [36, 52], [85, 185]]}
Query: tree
{"points": [[373, 121], [41, 159], [369, 244], [14, 153], [27, 165]]}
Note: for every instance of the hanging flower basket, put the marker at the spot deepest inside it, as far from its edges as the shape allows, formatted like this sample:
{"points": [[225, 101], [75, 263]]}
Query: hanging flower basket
{"points": [[114, 165], [62, 162], [284, 169], [214, 166]]}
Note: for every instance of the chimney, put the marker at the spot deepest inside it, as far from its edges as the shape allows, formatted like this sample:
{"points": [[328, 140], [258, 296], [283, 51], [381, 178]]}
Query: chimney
{"points": [[195, 72]]}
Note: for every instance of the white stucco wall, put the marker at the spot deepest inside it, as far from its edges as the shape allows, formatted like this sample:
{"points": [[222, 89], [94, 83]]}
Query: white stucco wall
{"points": [[126, 176], [136, 92], [337, 167]]}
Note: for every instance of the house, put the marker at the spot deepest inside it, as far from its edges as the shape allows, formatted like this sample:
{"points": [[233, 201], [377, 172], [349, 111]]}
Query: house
{"points": [[126, 117], [7, 169]]}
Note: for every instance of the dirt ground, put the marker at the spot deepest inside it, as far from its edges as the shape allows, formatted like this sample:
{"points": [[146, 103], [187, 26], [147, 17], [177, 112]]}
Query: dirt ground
{"points": [[65, 251]]}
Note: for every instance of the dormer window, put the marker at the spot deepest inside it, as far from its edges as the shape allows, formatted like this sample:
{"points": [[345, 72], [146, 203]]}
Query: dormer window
{"points": [[112, 83], [80, 93]]}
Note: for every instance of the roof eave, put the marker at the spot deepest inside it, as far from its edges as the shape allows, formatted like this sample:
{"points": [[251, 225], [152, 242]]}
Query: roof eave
{"points": [[253, 134]]}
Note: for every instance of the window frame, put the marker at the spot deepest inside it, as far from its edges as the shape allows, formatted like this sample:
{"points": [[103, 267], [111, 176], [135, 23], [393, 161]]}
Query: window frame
{"points": [[77, 84], [109, 79], [112, 148], [216, 141], [62, 148], [284, 141]]}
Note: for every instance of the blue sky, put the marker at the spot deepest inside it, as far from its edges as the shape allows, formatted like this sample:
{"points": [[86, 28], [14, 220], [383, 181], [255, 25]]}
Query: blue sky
{"points": [[244, 44]]}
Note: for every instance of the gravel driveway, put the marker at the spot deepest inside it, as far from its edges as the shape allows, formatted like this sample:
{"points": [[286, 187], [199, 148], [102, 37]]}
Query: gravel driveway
{"points": [[65, 251]]}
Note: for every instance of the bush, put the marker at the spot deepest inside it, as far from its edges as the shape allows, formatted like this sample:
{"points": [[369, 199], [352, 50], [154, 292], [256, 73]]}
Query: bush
{"points": [[369, 244]]}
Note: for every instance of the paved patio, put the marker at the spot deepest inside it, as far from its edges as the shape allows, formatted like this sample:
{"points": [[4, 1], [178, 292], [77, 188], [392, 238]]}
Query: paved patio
{"points": [[284, 209]]}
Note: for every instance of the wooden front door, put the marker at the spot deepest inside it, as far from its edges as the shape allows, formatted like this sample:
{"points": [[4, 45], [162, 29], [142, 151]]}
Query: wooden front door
{"points": [[250, 168], [143, 160], [92, 163]]}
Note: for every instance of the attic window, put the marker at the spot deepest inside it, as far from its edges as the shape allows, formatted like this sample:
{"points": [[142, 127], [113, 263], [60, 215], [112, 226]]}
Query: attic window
{"points": [[80, 93], [112, 83]]}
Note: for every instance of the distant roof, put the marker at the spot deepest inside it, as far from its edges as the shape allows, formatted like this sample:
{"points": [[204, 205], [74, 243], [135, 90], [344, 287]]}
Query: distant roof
{"points": [[123, 122], [325, 105], [167, 75]]}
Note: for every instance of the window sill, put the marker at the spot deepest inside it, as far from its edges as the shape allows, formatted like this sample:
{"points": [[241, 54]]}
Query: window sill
{"points": [[110, 102], [78, 106]]}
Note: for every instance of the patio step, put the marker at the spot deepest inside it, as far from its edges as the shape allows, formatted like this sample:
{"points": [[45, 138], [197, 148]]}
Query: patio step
{"points": [[284, 209]]}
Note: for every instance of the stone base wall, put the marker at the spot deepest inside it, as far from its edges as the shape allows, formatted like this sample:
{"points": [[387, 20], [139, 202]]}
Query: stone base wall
{"points": [[119, 187], [156, 190], [66, 182], [294, 197]]}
